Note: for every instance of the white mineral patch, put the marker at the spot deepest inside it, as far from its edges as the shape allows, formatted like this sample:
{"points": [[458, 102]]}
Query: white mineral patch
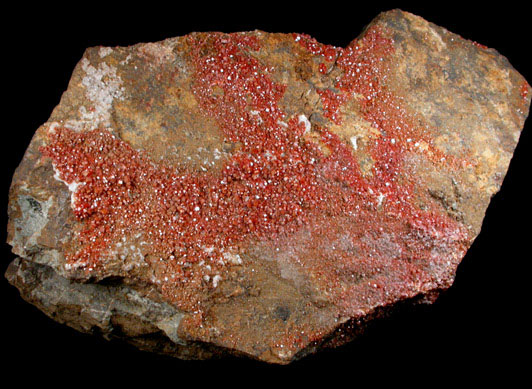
{"points": [[105, 51], [71, 124], [52, 126], [158, 53], [102, 87], [232, 258], [126, 60], [215, 280], [303, 119], [76, 265], [256, 115], [72, 187], [380, 199], [353, 140], [208, 250], [437, 38]]}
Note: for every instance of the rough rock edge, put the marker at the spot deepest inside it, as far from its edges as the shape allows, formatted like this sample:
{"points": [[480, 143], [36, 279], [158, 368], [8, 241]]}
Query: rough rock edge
{"points": [[125, 316], [112, 311]]}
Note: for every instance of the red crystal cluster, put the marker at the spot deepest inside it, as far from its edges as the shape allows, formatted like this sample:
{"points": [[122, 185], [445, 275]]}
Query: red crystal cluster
{"points": [[278, 183]]}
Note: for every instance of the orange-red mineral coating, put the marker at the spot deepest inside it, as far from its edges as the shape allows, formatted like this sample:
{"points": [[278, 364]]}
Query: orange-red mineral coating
{"points": [[276, 185], [524, 89]]}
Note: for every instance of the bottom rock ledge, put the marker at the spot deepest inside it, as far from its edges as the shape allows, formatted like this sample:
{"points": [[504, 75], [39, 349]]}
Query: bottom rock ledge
{"points": [[120, 312], [114, 312]]}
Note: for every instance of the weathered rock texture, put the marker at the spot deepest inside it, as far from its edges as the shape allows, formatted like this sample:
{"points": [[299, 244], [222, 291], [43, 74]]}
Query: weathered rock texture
{"points": [[261, 194]]}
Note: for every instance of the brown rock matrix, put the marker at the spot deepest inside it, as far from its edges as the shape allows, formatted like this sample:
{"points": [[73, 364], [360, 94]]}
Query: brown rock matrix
{"points": [[261, 194]]}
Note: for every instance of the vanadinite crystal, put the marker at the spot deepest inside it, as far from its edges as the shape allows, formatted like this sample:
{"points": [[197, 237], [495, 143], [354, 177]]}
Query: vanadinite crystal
{"points": [[261, 194]]}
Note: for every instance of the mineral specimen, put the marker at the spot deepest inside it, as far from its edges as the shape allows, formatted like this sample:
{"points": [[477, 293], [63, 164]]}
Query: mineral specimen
{"points": [[261, 194]]}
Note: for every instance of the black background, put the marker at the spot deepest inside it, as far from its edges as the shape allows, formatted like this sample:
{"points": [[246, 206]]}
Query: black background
{"points": [[478, 327]]}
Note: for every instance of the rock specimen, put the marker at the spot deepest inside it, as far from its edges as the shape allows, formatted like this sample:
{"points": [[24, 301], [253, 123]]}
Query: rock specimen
{"points": [[261, 194]]}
